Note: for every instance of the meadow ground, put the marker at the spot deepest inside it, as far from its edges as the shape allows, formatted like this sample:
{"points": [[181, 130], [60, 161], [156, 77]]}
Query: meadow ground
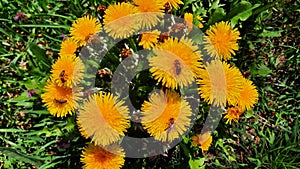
{"points": [[266, 137]]}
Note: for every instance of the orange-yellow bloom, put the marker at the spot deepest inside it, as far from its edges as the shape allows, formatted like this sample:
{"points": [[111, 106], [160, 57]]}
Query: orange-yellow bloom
{"points": [[121, 20], [96, 157], [176, 62], [219, 82], [103, 118], [233, 113], [174, 3], [60, 101], [166, 116], [68, 47], [150, 12], [67, 71], [203, 141], [248, 96], [188, 17], [149, 39], [221, 40], [83, 28]]}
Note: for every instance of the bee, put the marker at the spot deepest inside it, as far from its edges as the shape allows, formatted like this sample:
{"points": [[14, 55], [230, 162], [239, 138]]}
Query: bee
{"points": [[104, 72], [177, 67], [62, 76], [177, 27], [125, 53], [94, 41], [168, 129], [101, 8], [170, 125], [61, 101], [163, 36], [87, 93], [167, 7]]}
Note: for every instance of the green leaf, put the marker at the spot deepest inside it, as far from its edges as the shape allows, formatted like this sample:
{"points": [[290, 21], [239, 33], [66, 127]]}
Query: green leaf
{"points": [[30, 84], [12, 130], [185, 140], [4, 32], [39, 56], [241, 11], [263, 70], [23, 97], [249, 114], [25, 104], [197, 163], [186, 3], [215, 4], [218, 15], [12, 153], [256, 161], [40, 112], [45, 146], [69, 125], [23, 100], [270, 34], [185, 149], [49, 165], [44, 26]]}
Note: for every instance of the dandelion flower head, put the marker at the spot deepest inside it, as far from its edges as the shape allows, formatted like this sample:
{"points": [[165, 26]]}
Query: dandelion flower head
{"points": [[176, 62], [248, 95], [166, 116], [68, 47], [174, 3], [103, 118], [149, 39], [219, 82], [150, 12], [60, 101], [96, 157], [221, 41], [204, 141], [67, 71], [83, 28], [233, 113], [188, 17], [121, 21]]}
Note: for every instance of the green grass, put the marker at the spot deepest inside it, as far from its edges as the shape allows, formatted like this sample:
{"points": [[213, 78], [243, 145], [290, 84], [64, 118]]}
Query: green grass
{"points": [[267, 137]]}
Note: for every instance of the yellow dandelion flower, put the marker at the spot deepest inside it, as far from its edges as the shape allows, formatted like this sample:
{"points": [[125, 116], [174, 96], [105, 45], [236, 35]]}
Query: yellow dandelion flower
{"points": [[200, 21], [220, 83], [203, 141], [95, 157], [188, 17], [67, 71], [83, 28], [174, 3], [200, 25], [82, 131], [213, 83], [150, 12], [166, 116], [221, 40], [149, 39], [177, 62], [200, 18], [233, 113], [68, 47], [233, 83], [121, 21], [60, 101], [248, 95], [103, 118]]}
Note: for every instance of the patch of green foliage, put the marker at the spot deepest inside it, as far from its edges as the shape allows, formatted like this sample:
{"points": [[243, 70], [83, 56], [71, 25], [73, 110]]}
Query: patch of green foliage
{"points": [[267, 137]]}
